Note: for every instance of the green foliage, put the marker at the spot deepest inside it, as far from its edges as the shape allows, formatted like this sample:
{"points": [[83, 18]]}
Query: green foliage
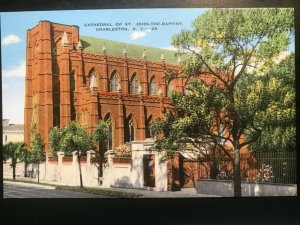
{"points": [[13, 151], [233, 39], [70, 138], [123, 151], [279, 119], [193, 118], [237, 48], [100, 132], [99, 136], [55, 136], [263, 108], [74, 138], [164, 126], [37, 151]]}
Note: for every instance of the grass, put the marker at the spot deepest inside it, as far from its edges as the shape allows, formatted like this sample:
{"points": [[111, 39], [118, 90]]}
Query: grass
{"points": [[89, 190], [30, 182], [105, 192], [115, 48]]}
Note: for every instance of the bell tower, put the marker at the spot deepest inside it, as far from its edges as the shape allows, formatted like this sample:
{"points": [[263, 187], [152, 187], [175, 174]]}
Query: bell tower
{"points": [[47, 82]]}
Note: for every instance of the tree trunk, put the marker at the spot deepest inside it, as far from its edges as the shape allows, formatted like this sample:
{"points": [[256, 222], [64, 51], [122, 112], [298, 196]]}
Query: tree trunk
{"points": [[26, 164], [14, 164], [38, 173], [214, 165], [100, 168], [237, 173], [80, 175], [101, 163], [25, 168], [213, 170]]}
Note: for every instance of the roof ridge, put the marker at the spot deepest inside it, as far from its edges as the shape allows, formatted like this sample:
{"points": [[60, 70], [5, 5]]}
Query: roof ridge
{"points": [[93, 45], [126, 43]]}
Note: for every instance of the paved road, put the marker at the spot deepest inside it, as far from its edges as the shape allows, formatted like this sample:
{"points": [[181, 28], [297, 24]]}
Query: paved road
{"points": [[25, 190], [28, 190]]}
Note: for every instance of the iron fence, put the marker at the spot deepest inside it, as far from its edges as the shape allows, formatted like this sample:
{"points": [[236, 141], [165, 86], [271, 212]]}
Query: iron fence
{"points": [[273, 167]]}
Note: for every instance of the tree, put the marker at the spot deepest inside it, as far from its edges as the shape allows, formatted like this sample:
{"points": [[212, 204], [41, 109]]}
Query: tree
{"points": [[234, 49], [13, 151], [55, 136], [279, 120], [100, 135], [69, 139], [37, 152], [25, 159]]}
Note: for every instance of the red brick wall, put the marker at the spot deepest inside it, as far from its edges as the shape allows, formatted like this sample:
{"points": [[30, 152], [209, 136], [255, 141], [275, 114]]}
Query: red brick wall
{"points": [[49, 66], [190, 172]]}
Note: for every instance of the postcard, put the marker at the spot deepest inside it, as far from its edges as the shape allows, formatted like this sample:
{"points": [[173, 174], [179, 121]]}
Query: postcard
{"points": [[169, 102]]}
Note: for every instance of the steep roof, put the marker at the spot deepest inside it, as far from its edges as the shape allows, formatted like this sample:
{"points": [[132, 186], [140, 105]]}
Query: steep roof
{"points": [[115, 48]]}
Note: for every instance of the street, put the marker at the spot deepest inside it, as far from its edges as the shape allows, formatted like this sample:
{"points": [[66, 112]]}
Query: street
{"points": [[25, 190], [28, 190]]}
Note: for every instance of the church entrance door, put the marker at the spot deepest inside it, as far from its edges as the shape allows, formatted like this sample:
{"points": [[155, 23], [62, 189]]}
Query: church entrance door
{"points": [[149, 170]]}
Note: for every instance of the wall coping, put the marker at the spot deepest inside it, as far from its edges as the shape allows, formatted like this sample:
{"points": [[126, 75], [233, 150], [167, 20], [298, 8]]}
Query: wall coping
{"points": [[149, 142], [248, 182]]}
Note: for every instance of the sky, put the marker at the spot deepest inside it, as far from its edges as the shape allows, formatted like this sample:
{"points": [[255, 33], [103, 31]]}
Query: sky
{"points": [[15, 24]]}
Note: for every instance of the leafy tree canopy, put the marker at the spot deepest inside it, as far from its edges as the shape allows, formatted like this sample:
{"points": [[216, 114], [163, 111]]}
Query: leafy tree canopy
{"points": [[13, 150], [71, 138], [37, 152], [55, 136], [100, 132], [236, 48], [233, 40], [278, 121]]}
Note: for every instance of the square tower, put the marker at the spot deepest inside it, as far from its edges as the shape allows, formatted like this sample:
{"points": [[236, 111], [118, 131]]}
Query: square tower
{"points": [[47, 82]]}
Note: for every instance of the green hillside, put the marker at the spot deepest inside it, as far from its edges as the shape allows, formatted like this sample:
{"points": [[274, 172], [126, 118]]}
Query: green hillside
{"points": [[115, 48]]}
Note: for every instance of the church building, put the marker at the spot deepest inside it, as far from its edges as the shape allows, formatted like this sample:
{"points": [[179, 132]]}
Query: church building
{"points": [[78, 78], [71, 77]]}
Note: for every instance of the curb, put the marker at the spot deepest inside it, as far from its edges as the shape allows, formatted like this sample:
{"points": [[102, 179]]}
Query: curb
{"points": [[89, 190]]}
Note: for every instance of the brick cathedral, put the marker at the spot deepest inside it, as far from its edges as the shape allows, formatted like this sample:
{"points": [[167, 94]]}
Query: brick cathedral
{"points": [[66, 82]]}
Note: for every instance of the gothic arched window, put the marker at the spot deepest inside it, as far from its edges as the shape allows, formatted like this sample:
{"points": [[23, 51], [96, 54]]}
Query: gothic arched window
{"points": [[91, 74], [134, 84], [129, 129], [72, 97], [170, 88], [152, 86], [149, 132], [108, 145], [114, 82]]}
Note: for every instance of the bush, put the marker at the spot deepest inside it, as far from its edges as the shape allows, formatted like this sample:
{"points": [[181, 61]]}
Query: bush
{"points": [[224, 175], [265, 173], [123, 151]]}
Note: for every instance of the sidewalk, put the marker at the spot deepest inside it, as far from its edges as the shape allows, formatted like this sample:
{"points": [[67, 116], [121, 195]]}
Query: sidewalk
{"points": [[184, 193], [162, 194]]}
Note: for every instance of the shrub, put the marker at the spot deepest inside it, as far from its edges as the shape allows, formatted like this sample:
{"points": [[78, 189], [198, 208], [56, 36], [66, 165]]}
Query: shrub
{"points": [[224, 175], [123, 151], [265, 173]]}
